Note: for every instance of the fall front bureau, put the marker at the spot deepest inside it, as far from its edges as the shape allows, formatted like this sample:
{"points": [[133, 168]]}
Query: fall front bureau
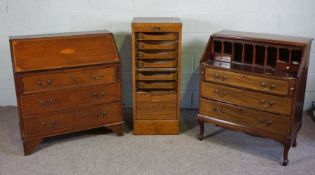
{"points": [[66, 82], [254, 83], [156, 58]]}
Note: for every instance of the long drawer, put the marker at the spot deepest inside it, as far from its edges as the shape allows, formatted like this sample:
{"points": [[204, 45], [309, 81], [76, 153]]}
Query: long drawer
{"points": [[69, 98], [157, 36], [157, 55], [157, 45], [58, 80], [275, 86], [156, 76], [156, 85], [265, 102], [156, 63], [75, 119], [245, 116]]}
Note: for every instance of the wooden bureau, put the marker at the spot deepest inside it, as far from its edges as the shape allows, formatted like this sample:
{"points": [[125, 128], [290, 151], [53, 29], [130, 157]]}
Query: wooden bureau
{"points": [[254, 83], [66, 82], [156, 58]]}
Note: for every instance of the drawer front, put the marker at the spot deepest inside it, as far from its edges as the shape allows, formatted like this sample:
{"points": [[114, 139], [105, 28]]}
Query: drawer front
{"points": [[247, 98], [156, 76], [72, 120], [245, 116], [69, 98], [156, 85], [46, 124], [59, 52], [156, 111], [280, 87], [51, 81], [98, 116], [156, 97], [157, 45], [160, 36], [157, 55], [156, 64]]}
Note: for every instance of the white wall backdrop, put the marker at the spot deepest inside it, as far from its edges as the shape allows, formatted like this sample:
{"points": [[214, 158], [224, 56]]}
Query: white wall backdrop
{"points": [[200, 19]]}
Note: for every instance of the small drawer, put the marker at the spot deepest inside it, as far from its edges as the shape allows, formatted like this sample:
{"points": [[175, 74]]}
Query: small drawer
{"points": [[158, 36], [264, 102], [157, 45], [57, 80], [155, 85], [287, 67], [156, 76], [156, 111], [156, 97], [245, 116], [69, 98], [157, 55], [156, 64], [269, 85]]}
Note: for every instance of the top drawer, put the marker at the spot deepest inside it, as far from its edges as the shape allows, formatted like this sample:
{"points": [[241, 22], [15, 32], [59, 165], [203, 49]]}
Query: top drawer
{"points": [[44, 53], [269, 85], [58, 80], [160, 36]]}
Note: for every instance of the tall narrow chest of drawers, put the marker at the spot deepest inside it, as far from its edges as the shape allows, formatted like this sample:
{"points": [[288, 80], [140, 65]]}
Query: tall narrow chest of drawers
{"points": [[66, 82], [254, 83], [156, 58]]}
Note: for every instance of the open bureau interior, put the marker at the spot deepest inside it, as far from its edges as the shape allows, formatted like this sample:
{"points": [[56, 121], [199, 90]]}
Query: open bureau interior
{"points": [[254, 83], [156, 75]]}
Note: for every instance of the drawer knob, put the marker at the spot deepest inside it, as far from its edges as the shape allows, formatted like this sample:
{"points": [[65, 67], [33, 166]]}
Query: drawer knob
{"points": [[49, 125], [42, 84], [220, 94], [217, 76], [98, 95], [264, 122], [268, 87], [141, 36], [97, 77], [47, 102], [218, 110]]}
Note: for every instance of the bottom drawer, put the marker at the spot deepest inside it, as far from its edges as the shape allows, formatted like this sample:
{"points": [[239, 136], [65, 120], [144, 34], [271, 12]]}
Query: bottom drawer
{"points": [[158, 111], [155, 127], [156, 85], [244, 116], [59, 122]]}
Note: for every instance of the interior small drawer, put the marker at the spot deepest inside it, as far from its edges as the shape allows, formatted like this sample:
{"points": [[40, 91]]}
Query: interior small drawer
{"points": [[157, 36], [156, 63], [62, 79], [245, 116], [246, 98], [156, 76], [157, 55], [263, 84], [155, 85], [157, 45]]}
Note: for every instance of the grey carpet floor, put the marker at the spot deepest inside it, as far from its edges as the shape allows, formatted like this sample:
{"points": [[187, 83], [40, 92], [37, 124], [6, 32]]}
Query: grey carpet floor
{"points": [[99, 151]]}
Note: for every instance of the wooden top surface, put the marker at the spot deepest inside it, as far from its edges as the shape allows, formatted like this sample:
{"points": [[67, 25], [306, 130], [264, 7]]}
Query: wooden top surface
{"points": [[155, 20], [98, 32], [263, 37]]}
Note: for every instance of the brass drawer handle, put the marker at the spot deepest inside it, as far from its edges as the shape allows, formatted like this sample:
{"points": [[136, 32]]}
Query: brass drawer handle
{"points": [[47, 102], [156, 28], [101, 115], [266, 103], [140, 46], [140, 55], [47, 84], [264, 122], [217, 76], [97, 77], [220, 94], [49, 125], [141, 36], [268, 87], [218, 110], [98, 95]]}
